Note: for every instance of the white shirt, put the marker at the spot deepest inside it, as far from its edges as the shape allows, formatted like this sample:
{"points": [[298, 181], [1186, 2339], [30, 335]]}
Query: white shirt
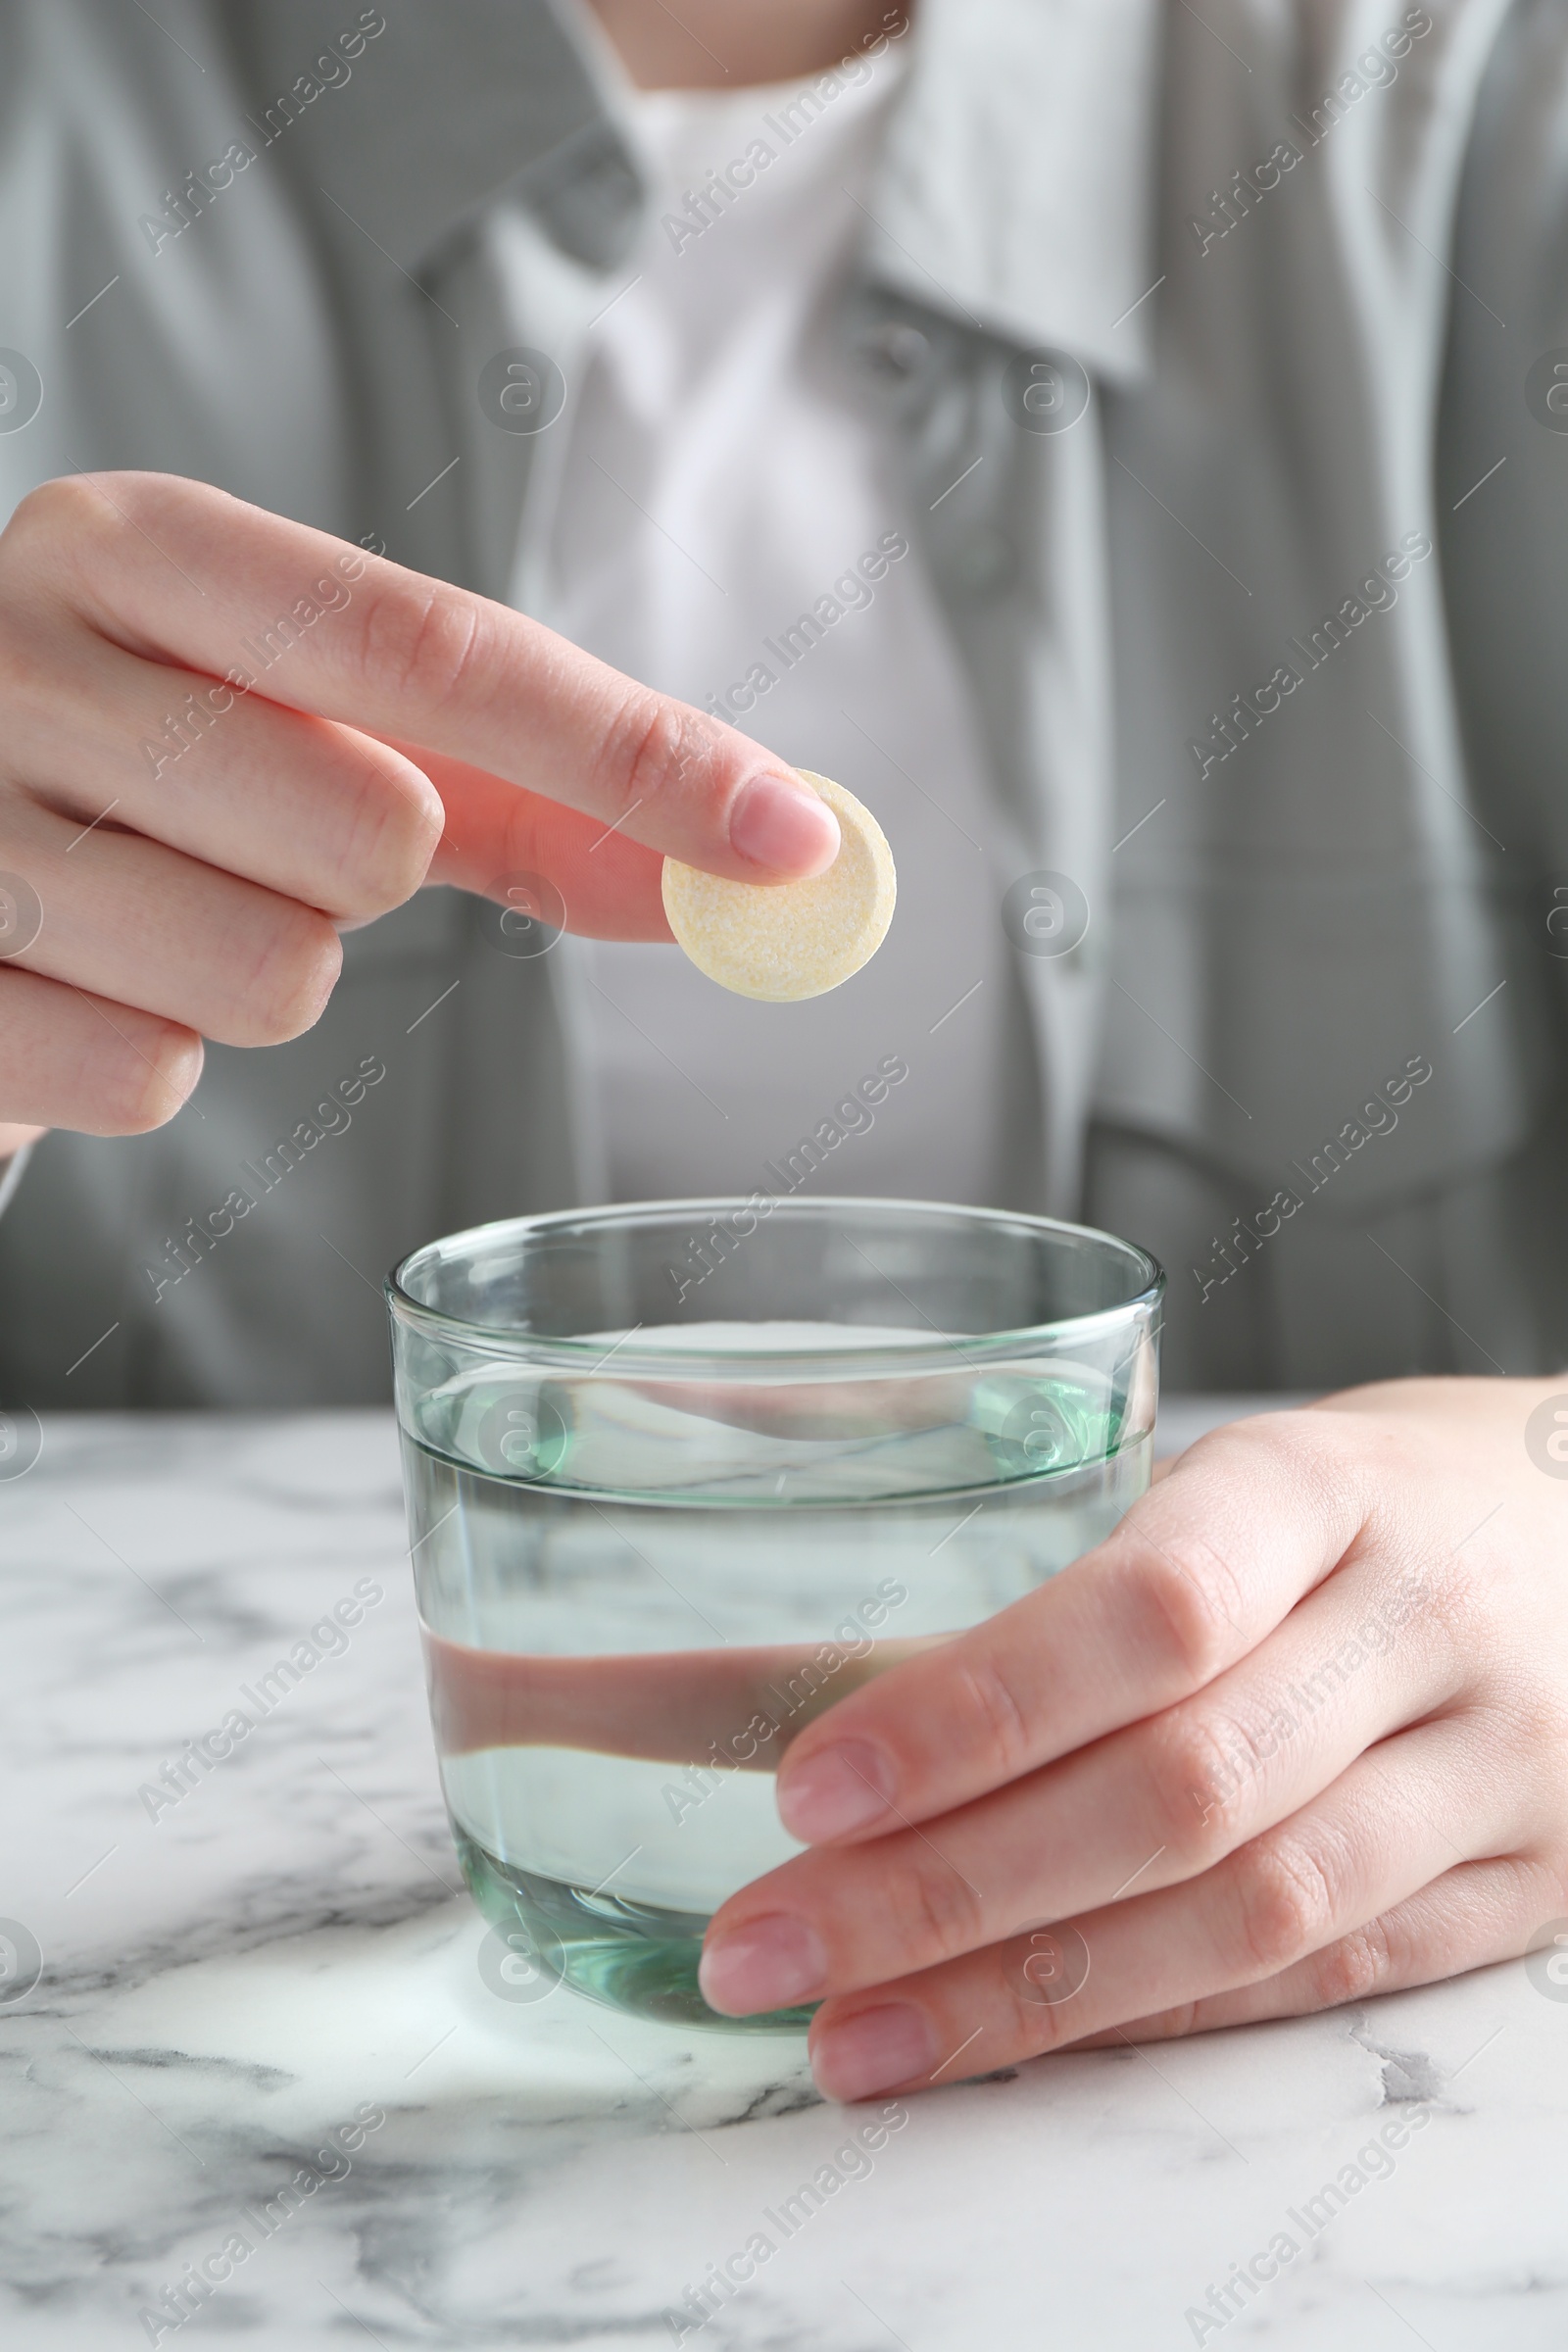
{"points": [[727, 476]]}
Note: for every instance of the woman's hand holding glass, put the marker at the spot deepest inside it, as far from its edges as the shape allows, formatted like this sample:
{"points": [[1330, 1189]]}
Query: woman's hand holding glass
{"points": [[1297, 1733]]}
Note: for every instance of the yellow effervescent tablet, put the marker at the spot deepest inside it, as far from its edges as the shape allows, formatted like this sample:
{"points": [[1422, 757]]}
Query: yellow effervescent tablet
{"points": [[785, 941]]}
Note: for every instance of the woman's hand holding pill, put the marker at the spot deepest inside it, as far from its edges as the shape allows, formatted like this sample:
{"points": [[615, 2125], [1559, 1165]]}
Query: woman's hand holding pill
{"points": [[784, 945], [1295, 1732], [227, 736]]}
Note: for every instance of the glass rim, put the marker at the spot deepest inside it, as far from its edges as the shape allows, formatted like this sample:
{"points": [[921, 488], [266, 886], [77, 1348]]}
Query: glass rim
{"points": [[918, 1355]]}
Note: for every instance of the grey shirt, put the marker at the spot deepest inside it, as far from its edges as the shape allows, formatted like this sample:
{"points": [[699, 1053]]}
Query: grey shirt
{"points": [[1266, 643]]}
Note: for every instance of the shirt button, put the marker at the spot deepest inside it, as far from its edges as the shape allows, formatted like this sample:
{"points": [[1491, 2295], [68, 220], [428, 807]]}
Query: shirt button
{"points": [[894, 349]]}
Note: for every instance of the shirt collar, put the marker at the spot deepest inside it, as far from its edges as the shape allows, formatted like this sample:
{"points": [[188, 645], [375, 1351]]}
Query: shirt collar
{"points": [[1017, 183], [1014, 192], [436, 113]]}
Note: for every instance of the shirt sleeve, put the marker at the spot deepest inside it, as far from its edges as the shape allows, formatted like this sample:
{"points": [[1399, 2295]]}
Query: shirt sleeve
{"points": [[1503, 461]]}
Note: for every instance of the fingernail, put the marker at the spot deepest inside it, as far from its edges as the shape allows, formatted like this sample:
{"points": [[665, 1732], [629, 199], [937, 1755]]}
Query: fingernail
{"points": [[872, 2051], [781, 824], [767, 1964], [838, 1790]]}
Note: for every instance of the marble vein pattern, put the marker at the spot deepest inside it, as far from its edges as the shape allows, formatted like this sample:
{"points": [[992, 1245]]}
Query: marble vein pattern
{"points": [[260, 2016]]}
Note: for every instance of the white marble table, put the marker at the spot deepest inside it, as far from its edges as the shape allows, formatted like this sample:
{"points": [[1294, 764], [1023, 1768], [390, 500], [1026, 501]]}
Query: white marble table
{"points": [[287, 1945]]}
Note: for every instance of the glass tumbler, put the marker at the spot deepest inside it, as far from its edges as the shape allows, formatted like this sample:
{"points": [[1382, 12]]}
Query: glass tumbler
{"points": [[680, 1476]]}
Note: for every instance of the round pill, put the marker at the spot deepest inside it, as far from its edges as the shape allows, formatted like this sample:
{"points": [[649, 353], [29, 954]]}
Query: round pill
{"points": [[785, 941]]}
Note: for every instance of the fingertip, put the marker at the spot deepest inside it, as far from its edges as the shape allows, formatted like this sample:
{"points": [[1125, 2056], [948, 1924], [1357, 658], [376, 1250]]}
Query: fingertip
{"points": [[399, 823], [779, 823], [146, 1092], [872, 2051], [836, 1791], [186, 1061], [286, 989], [426, 818]]}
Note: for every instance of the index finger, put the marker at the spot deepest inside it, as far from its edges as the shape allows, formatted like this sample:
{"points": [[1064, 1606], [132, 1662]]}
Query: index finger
{"points": [[1201, 1569], [184, 572]]}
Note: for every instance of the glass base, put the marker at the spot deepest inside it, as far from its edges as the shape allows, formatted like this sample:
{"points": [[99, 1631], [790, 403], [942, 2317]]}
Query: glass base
{"points": [[634, 1957]]}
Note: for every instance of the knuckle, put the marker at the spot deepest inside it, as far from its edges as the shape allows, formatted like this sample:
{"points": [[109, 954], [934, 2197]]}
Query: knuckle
{"points": [[946, 1911], [650, 750], [1187, 1599], [65, 534], [1199, 1766], [1036, 2027], [1170, 2024], [47, 530], [1366, 1961], [992, 1721], [421, 650], [56, 511], [1286, 1904], [1304, 1446]]}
